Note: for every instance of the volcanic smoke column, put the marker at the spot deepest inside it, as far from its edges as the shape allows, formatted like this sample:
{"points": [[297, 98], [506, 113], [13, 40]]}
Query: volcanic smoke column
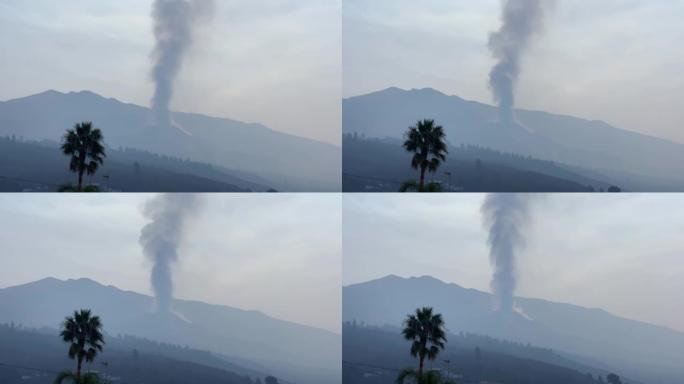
{"points": [[506, 217], [160, 240], [174, 24], [520, 20]]}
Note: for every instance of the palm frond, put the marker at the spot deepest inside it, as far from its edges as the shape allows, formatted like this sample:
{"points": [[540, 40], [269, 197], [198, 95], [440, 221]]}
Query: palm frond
{"points": [[425, 330], [84, 144], [83, 332], [427, 141]]}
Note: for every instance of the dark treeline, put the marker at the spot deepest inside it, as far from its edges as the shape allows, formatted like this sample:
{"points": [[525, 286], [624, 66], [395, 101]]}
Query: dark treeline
{"points": [[375, 165], [40, 355], [376, 355], [40, 166]]}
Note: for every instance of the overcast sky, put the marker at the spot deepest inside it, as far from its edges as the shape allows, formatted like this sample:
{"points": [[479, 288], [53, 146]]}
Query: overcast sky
{"points": [[276, 62], [615, 60], [622, 253], [277, 253]]}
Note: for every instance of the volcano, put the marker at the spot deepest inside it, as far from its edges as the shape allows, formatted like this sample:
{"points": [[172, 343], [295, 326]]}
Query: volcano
{"points": [[251, 339], [642, 351], [263, 155], [592, 147]]}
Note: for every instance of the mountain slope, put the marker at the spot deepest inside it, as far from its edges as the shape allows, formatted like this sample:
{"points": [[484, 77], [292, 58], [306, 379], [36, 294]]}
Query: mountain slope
{"points": [[373, 165], [646, 352], [252, 339], [41, 167], [35, 356], [376, 355], [635, 161], [288, 162]]}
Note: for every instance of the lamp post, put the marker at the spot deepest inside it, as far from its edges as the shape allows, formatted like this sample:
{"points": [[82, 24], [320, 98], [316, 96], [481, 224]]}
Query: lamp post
{"points": [[448, 362]]}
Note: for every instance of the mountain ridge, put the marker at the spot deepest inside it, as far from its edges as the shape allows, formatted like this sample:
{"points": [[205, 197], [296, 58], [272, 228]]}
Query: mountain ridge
{"points": [[250, 338], [53, 281], [89, 93], [591, 144], [399, 90], [432, 279], [280, 158], [641, 350]]}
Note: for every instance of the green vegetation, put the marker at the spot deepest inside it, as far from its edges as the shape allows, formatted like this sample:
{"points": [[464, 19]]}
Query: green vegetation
{"points": [[83, 332], [374, 165], [412, 186], [31, 166], [426, 141], [84, 144], [88, 378], [71, 188], [376, 355], [429, 377], [39, 355]]}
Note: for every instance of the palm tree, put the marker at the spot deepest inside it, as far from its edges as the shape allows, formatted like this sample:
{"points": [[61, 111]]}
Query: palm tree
{"points": [[84, 332], [88, 378], [84, 144], [426, 331], [430, 377], [426, 141]]}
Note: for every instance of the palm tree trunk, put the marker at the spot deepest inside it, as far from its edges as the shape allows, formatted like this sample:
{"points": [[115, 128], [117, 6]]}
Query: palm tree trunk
{"points": [[422, 179], [78, 368], [420, 367], [80, 181]]}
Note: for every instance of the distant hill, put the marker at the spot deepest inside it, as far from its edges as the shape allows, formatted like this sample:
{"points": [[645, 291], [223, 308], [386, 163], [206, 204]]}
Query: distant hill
{"points": [[249, 338], [374, 165], [376, 355], [40, 167], [35, 356], [633, 161], [642, 351], [285, 162]]}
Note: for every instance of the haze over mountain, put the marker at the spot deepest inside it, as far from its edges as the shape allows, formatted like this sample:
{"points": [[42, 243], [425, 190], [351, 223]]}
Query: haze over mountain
{"points": [[277, 64], [375, 165], [603, 151], [374, 355], [250, 339], [30, 166], [36, 356], [619, 66], [281, 161], [649, 353]]}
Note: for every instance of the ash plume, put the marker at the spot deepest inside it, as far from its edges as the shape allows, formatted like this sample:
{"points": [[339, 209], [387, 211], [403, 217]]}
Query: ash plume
{"points": [[520, 21], [160, 240], [506, 216], [174, 24]]}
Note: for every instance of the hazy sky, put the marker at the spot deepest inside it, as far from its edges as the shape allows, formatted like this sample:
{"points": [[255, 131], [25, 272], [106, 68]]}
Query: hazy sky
{"points": [[277, 253], [615, 60], [276, 62], [622, 253]]}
